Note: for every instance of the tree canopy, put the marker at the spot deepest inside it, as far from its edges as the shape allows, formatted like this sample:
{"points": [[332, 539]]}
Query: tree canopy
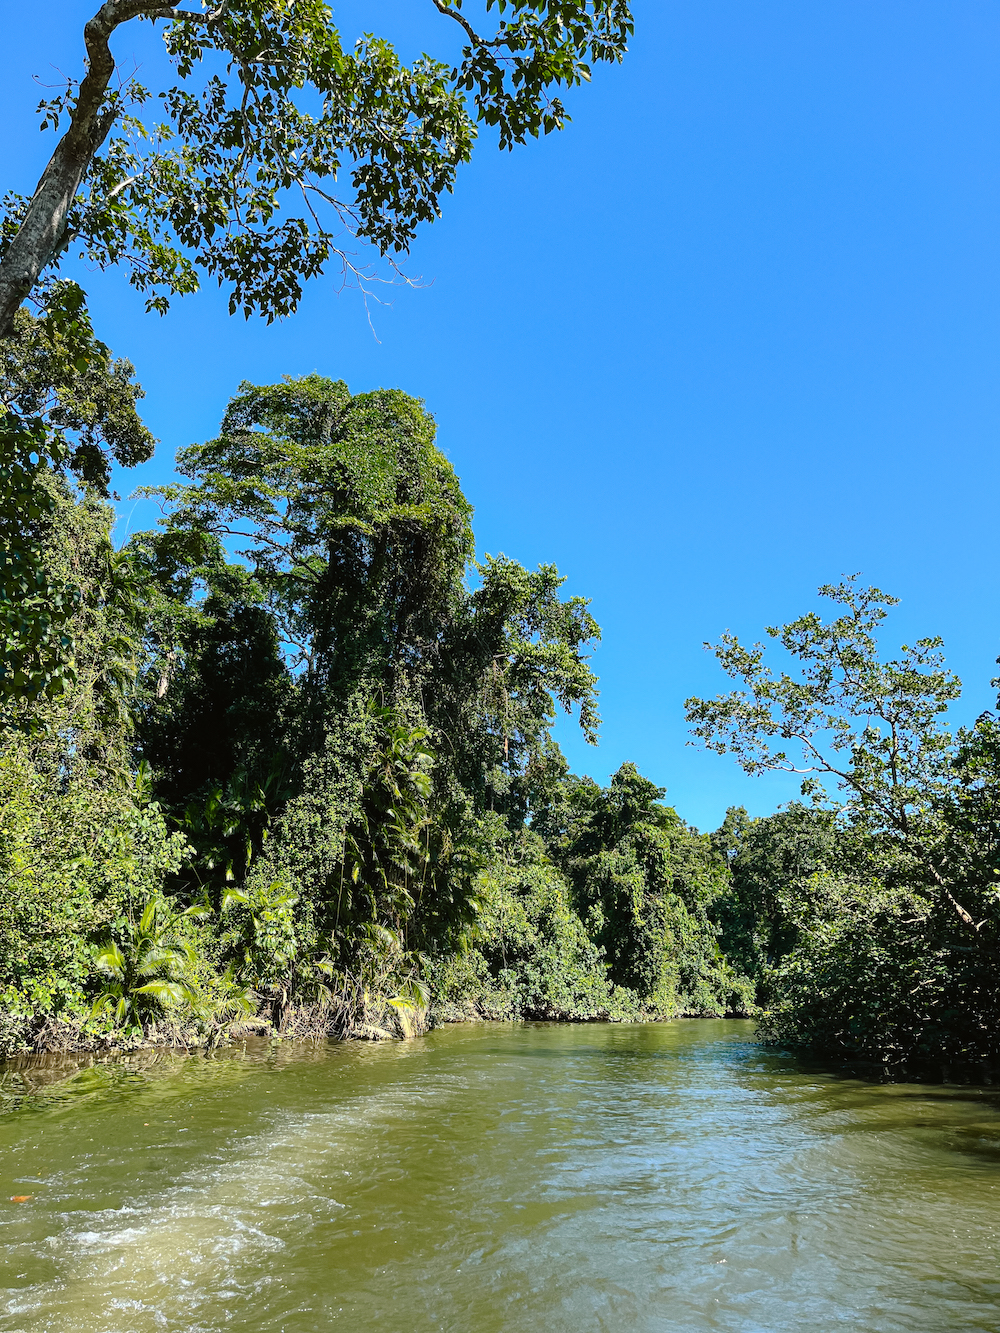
{"points": [[302, 773], [875, 727], [279, 142]]}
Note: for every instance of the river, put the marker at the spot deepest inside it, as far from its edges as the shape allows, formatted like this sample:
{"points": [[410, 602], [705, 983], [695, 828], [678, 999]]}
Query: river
{"points": [[535, 1178]]}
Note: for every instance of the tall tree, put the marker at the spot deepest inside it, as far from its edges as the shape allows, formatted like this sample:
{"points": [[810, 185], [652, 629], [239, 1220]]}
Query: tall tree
{"points": [[887, 910], [413, 704], [281, 110]]}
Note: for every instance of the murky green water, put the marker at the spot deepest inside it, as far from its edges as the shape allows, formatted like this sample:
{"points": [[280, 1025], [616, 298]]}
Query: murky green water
{"points": [[538, 1178]]}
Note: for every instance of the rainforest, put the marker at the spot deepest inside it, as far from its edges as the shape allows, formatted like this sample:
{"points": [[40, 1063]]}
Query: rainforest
{"points": [[283, 765]]}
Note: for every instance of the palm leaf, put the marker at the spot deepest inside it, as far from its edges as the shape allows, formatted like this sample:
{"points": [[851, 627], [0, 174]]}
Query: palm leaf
{"points": [[168, 991], [111, 960]]}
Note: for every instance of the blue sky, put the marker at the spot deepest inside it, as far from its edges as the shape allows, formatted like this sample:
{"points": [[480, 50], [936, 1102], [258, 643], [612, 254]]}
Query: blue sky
{"points": [[733, 334]]}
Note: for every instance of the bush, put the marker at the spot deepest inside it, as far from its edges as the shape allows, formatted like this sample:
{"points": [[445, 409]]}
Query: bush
{"points": [[74, 857], [878, 978]]}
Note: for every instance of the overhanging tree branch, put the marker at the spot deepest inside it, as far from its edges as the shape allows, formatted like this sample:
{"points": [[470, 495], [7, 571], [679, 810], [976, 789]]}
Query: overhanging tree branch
{"points": [[204, 189], [463, 22]]}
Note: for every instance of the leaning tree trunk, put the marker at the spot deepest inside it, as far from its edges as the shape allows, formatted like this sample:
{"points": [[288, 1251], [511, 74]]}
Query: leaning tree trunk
{"points": [[42, 234]]}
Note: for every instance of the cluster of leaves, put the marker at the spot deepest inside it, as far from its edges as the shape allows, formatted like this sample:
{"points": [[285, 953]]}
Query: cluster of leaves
{"points": [[35, 643], [148, 971], [62, 386]]}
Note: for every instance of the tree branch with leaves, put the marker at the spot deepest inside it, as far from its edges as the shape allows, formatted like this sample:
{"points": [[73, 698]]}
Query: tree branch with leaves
{"points": [[875, 727], [284, 112]]}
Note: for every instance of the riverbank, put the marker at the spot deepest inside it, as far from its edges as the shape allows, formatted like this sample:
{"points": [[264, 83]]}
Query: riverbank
{"points": [[70, 1049], [384, 1022], [297, 1022]]}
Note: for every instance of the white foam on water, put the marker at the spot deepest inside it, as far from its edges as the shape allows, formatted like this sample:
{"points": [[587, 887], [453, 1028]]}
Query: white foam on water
{"points": [[181, 1259]]}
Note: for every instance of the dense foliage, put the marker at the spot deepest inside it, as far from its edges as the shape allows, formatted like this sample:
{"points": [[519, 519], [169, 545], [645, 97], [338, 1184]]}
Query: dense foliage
{"points": [[272, 142], [302, 772], [285, 763], [67, 408], [80, 844]]}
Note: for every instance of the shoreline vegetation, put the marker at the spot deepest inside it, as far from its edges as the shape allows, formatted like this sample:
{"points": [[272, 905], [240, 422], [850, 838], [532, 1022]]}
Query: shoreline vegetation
{"points": [[304, 1024], [284, 764], [30, 1073]]}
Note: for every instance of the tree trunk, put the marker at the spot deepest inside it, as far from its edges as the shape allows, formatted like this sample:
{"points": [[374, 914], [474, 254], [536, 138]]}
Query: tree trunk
{"points": [[42, 234]]}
